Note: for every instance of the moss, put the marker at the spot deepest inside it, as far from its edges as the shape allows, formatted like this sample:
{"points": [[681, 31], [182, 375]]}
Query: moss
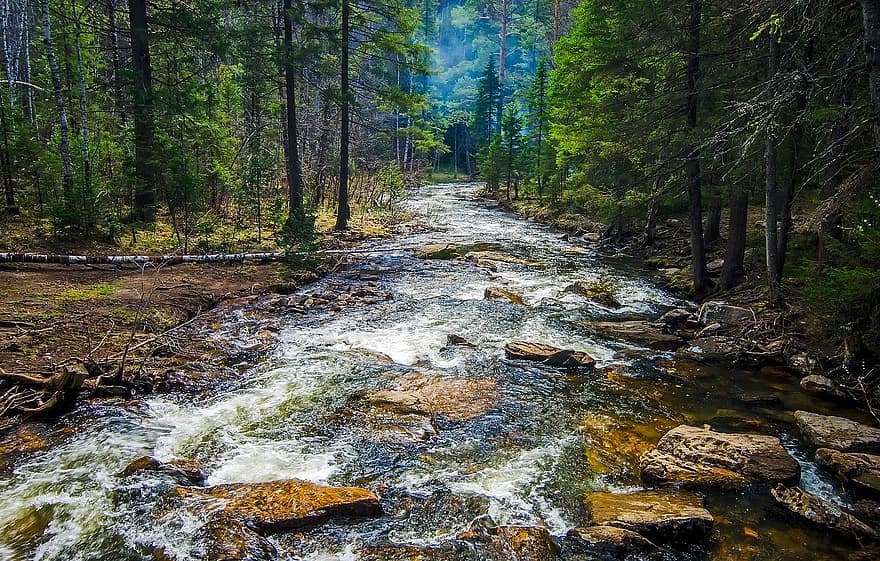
{"points": [[100, 290]]}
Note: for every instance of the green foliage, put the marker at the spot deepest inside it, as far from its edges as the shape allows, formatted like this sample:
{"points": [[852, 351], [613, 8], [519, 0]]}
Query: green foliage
{"points": [[298, 236], [846, 298]]}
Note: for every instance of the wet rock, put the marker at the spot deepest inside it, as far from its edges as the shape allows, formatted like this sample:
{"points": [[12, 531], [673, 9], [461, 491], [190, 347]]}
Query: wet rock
{"points": [[608, 541], [27, 528], [725, 314], [715, 348], [405, 552], [822, 513], [546, 354], [614, 446], [693, 457], [492, 258], [661, 516], [184, 471], [802, 363], [457, 399], [860, 470], [438, 251], [597, 292], [823, 387], [838, 433], [495, 293], [458, 341], [230, 540], [645, 333], [523, 543], [276, 506], [868, 511], [676, 316]]}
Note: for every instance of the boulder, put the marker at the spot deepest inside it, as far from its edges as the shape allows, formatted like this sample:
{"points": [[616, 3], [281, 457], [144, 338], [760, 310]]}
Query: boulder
{"points": [[802, 363], [190, 472], [645, 333], [822, 513], [275, 506], [546, 354], [725, 314], [597, 292], [838, 433], [230, 540], [676, 316], [614, 446], [457, 399], [823, 387], [453, 340], [494, 293], [405, 552], [714, 348], [859, 470], [868, 511], [608, 541], [715, 266], [692, 457], [494, 257], [438, 251], [523, 543], [660, 516]]}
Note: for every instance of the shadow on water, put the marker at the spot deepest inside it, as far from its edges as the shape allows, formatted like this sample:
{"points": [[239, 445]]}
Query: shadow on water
{"points": [[522, 448]]}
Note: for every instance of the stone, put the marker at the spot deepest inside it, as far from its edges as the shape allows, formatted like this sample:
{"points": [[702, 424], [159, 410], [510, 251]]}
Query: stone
{"points": [[823, 387], [714, 348], [609, 541], [443, 251], [692, 457], [868, 511], [457, 399], [802, 363], [494, 293], [494, 257], [672, 317], [453, 340], [230, 540], [645, 333], [551, 356], [406, 552], [660, 516], [838, 433], [276, 506], [614, 445], [725, 314], [523, 543], [715, 266], [190, 472], [857, 469], [822, 513], [597, 292]]}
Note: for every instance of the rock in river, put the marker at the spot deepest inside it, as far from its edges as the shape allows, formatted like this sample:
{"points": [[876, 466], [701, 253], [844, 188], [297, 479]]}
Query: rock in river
{"points": [[838, 433], [597, 292], [230, 540], [658, 515], [551, 356], [822, 513], [190, 472], [645, 333], [725, 314], [523, 543], [701, 458], [860, 470], [823, 387], [715, 348], [275, 506], [609, 541], [495, 293]]}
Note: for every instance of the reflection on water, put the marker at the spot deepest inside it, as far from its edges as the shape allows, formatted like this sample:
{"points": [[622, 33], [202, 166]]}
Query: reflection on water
{"points": [[527, 460]]}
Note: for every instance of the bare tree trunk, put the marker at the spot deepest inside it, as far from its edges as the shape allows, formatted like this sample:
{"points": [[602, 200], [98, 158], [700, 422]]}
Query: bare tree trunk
{"points": [[736, 239], [771, 231], [871, 18], [294, 171], [86, 218], [712, 231], [144, 126], [502, 41], [66, 167], [115, 63], [343, 212], [692, 163]]}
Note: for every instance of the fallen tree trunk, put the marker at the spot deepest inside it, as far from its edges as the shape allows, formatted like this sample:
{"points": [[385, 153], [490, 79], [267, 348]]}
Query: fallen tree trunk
{"points": [[136, 259]]}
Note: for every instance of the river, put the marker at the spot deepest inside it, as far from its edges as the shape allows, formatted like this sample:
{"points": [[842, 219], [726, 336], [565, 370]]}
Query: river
{"points": [[526, 459]]}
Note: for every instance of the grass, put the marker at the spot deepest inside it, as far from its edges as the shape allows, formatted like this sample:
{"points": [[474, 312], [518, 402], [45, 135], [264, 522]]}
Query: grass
{"points": [[100, 290]]}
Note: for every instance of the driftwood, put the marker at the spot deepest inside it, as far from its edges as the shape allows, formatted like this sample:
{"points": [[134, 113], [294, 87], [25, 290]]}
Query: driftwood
{"points": [[34, 395]]}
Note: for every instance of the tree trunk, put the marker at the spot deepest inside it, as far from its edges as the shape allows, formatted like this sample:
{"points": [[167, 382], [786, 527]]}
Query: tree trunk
{"points": [[871, 18], [343, 212], [86, 211], [713, 221], [144, 126], [736, 239], [66, 167], [771, 231], [294, 171], [692, 163], [115, 63], [502, 41]]}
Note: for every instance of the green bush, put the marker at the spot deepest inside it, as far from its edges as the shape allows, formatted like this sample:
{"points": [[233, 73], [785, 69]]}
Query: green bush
{"points": [[849, 300]]}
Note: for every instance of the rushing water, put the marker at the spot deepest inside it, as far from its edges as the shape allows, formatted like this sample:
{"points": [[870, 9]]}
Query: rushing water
{"points": [[524, 461]]}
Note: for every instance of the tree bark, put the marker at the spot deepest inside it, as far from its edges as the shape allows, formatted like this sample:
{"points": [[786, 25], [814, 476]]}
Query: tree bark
{"points": [[85, 214], [144, 204], [736, 239], [294, 171], [66, 166], [692, 163], [871, 18], [771, 231], [713, 221], [343, 212]]}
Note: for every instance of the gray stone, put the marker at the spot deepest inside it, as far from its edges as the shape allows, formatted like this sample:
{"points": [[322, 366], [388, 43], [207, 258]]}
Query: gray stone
{"points": [[725, 314], [838, 433], [822, 513]]}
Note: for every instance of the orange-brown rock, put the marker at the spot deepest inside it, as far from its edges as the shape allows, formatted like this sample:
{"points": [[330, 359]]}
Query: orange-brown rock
{"points": [[275, 506], [495, 293], [860, 470], [609, 541], [615, 445], [658, 515], [546, 354], [822, 513], [523, 543], [645, 333], [230, 540]]}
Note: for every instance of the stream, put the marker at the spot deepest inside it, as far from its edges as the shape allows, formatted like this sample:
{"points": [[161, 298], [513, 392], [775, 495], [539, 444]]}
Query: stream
{"points": [[540, 439]]}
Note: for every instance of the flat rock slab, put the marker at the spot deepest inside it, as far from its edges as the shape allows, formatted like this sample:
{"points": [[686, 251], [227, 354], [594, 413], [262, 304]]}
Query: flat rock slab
{"points": [[493, 257], [725, 314], [644, 333], [837, 433], [546, 354], [230, 540], [523, 543], [658, 515], [495, 293], [608, 541], [860, 470], [595, 292], [694, 457], [614, 446], [276, 506], [822, 513]]}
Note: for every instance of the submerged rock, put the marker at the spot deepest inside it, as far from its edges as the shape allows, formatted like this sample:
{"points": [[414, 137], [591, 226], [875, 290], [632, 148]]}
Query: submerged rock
{"points": [[406, 552], [693, 457], [645, 333], [823, 387], [495, 293], [492, 258], [523, 543], [822, 513], [614, 446], [838, 433], [860, 470], [230, 540], [275, 506], [439, 251], [546, 354], [185, 471], [661, 516], [608, 541], [597, 292]]}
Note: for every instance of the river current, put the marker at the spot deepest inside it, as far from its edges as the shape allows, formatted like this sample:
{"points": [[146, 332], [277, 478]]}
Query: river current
{"points": [[526, 460]]}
